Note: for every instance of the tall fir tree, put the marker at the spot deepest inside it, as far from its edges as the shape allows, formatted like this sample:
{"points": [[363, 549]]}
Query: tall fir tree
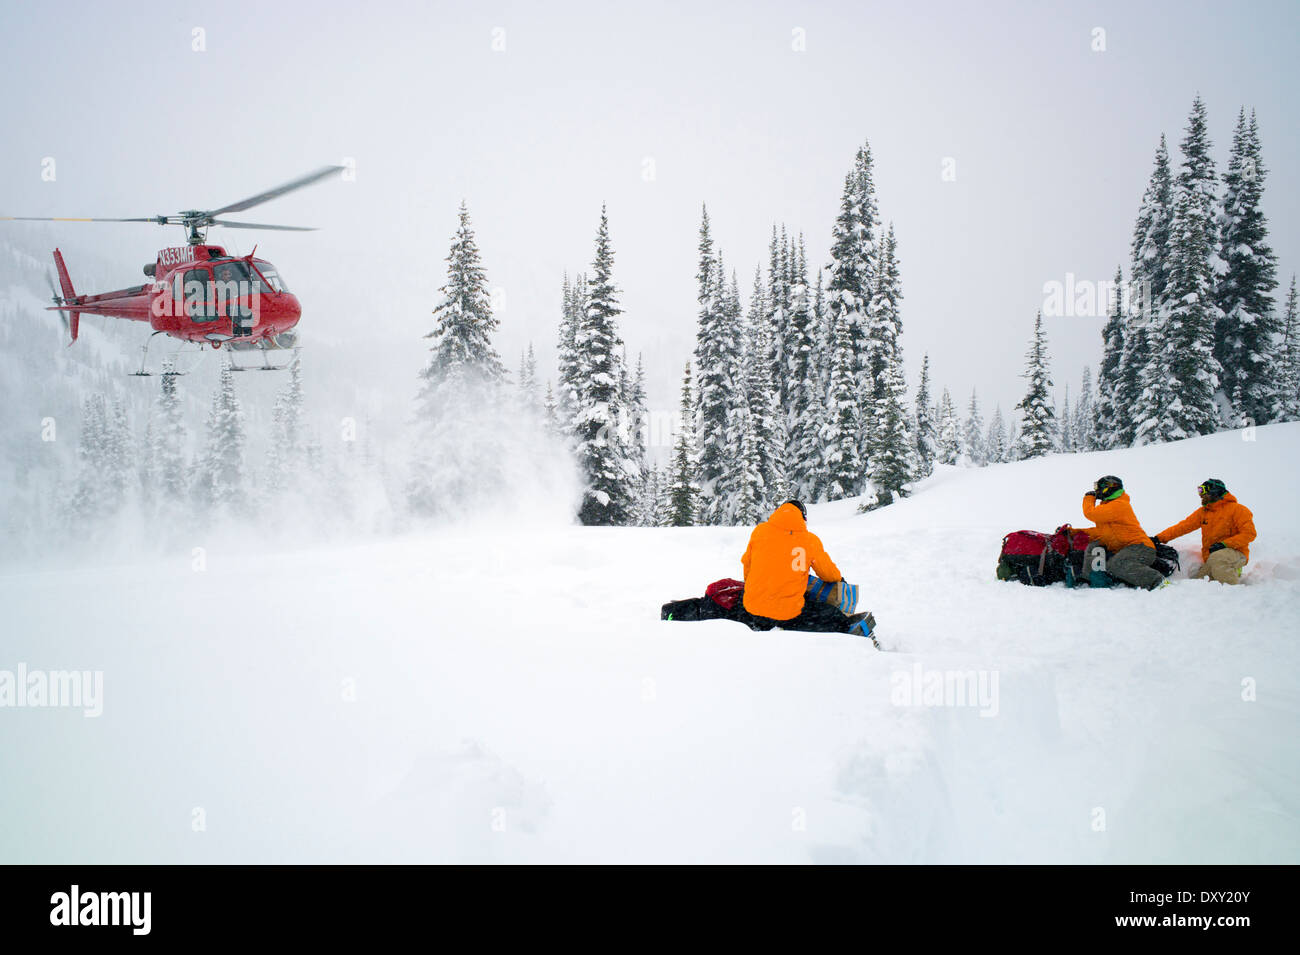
{"points": [[573, 308], [1038, 422], [1286, 397], [852, 270], [288, 441], [997, 438], [1130, 404], [1085, 416], [926, 433], [762, 392], [805, 418], [891, 452], [602, 453], [717, 362], [976, 445], [168, 439], [1182, 376], [1065, 426], [462, 354], [885, 358], [221, 477], [530, 401], [1246, 329], [683, 490], [843, 462], [1109, 413], [948, 438]]}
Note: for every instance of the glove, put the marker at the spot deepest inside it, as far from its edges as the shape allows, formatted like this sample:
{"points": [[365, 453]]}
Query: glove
{"points": [[1090, 493], [1155, 542], [1219, 546]]}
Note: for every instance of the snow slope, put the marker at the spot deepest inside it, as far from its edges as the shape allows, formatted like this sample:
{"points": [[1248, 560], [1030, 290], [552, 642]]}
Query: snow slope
{"points": [[505, 692]]}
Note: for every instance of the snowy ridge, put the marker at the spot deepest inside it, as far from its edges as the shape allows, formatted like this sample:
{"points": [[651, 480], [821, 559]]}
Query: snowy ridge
{"points": [[507, 693]]}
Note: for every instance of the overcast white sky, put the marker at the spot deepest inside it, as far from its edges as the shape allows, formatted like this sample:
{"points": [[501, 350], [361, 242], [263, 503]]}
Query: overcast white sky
{"points": [[1052, 141]]}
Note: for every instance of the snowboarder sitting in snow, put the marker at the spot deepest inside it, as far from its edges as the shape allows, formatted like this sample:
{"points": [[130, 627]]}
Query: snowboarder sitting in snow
{"points": [[780, 553], [1227, 528], [1118, 545]]}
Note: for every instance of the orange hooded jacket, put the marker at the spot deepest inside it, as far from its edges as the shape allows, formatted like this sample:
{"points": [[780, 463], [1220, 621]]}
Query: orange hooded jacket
{"points": [[1117, 525], [1224, 522], [776, 563]]}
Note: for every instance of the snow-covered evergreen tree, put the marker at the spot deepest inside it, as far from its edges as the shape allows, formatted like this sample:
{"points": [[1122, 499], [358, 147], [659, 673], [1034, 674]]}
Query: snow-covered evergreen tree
{"points": [[948, 439], [461, 385], [462, 352], [168, 439], [1286, 397], [610, 474], [1130, 405], [891, 453], [1108, 414], [762, 393], [684, 488], [805, 420], [87, 503], [638, 436], [221, 478], [997, 445], [1247, 326], [1085, 417], [551, 413], [926, 440], [574, 307], [976, 445], [1038, 423], [843, 463], [529, 400], [719, 393], [1065, 429], [1182, 376], [288, 443], [852, 273]]}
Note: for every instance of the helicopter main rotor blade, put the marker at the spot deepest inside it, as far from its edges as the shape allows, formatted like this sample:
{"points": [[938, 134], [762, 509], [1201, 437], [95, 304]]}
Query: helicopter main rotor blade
{"points": [[255, 225], [159, 219], [270, 194]]}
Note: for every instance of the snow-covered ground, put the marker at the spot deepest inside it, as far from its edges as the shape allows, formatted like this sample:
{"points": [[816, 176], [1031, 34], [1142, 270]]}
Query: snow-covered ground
{"points": [[506, 692]]}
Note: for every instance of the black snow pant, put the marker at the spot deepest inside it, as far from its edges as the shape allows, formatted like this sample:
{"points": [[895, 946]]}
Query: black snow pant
{"points": [[815, 616]]}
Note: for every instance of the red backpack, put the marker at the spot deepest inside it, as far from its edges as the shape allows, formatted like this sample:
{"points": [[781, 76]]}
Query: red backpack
{"points": [[1039, 559], [726, 593]]}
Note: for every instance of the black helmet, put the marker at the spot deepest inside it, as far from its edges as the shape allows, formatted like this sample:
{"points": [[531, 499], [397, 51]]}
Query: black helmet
{"points": [[1109, 487], [799, 504], [1213, 489]]}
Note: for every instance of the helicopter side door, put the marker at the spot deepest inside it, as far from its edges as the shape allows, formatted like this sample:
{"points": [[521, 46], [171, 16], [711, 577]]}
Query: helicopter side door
{"points": [[194, 289]]}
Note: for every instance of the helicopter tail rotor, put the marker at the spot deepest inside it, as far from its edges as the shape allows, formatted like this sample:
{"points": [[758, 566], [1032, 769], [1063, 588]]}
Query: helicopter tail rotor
{"points": [[71, 318]]}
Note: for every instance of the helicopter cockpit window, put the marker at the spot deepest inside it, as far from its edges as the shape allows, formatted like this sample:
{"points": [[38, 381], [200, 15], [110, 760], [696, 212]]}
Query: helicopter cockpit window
{"points": [[195, 290], [272, 277]]}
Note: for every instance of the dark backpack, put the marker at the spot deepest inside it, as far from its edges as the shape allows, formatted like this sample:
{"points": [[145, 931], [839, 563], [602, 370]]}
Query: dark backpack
{"points": [[721, 599]]}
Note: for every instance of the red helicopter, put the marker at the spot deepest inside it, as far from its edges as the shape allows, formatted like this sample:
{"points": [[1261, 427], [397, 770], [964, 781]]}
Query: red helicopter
{"points": [[199, 293]]}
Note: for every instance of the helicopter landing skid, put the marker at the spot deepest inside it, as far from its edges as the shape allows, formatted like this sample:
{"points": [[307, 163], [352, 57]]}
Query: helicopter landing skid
{"points": [[266, 362], [144, 356]]}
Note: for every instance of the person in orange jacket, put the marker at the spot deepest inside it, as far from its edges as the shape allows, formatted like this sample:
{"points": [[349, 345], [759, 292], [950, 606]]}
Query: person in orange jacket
{"points": [[1227, 528], [1119, 545], [781, 551]]}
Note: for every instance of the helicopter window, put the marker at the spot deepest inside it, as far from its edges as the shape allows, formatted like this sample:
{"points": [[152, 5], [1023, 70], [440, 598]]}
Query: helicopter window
{"points": [[272, 277], [197, 303]]}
